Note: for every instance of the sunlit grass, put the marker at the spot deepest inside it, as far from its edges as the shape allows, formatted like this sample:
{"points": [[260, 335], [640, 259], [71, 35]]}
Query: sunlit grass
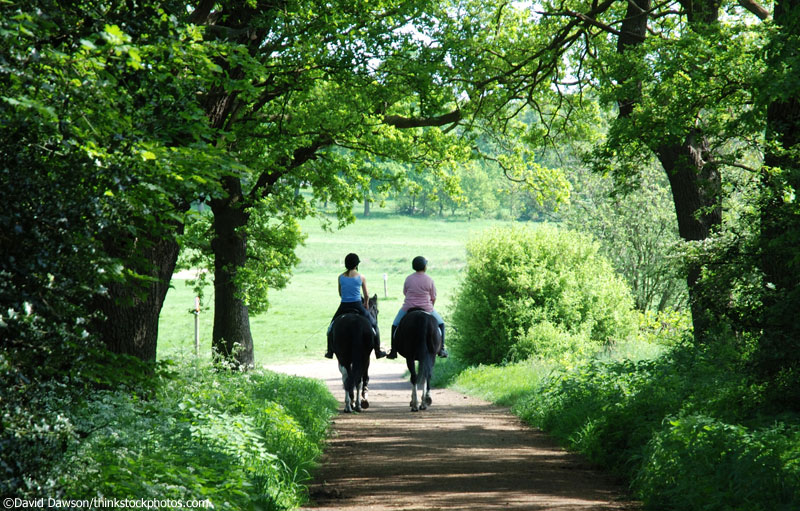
{"points": [[503, 385]]}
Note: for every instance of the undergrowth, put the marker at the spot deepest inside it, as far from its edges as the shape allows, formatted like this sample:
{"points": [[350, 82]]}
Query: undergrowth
{"points": [[239, 440]]}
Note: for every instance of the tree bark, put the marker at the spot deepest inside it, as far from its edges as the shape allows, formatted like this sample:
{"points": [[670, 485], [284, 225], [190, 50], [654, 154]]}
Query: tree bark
{"points": [[632, 34], [779, 345], [131, 309], [232, 340], [696, 192], [695, 184]]}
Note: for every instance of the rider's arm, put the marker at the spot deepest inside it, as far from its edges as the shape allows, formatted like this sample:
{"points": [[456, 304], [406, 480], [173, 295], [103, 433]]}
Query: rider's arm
{"points": [[366, 293]]}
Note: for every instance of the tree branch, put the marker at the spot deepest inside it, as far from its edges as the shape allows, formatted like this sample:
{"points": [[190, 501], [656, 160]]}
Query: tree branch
{"points": [[300, 156], [756, 8], [562, 38], [401, 122], [201, 13], [585, 19]]}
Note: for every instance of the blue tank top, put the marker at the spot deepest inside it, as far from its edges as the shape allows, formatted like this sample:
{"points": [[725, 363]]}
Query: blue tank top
{"points": [[351, 288]]}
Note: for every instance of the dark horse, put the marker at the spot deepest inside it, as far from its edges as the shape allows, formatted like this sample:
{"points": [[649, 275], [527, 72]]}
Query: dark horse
{"points": [[417, 339], [351, 339]]}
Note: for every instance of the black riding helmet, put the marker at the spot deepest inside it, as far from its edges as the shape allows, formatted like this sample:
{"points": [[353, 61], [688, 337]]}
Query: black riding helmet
{"points": [[419, 263], [351, 261]]}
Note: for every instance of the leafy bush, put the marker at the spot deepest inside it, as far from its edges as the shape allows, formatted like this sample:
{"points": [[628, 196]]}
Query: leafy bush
{"points": [[699, 463], [519, 277], [667, 327], [549, 341], [240, 440], [684, 427]]}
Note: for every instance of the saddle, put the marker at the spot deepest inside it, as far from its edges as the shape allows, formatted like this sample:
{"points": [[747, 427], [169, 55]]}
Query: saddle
{"points": [[351, 309], [348, 309], [415, 309], [418, 309]]}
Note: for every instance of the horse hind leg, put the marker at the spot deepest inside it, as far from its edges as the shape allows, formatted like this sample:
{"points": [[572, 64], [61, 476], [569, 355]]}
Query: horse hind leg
{"points": [[414, 401], [348, 393], [425, 381], [364, 393], [427, 399], [356, 385], [357, 388], [424, 394]]}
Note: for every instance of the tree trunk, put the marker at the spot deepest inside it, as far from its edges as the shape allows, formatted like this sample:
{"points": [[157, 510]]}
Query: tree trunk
{"points": [[633, 32], [779, 345], [783, 134], [131, 310], [231, 341], [366, 205], [696, 192], [695, 185]]}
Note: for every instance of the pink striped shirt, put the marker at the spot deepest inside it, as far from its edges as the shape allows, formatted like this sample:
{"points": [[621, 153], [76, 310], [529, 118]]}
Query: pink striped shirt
{"points": [[420, 292]]}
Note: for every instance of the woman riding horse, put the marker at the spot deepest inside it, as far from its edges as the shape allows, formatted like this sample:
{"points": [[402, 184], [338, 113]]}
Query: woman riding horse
{"points": [[351, 283], [420, 293]]}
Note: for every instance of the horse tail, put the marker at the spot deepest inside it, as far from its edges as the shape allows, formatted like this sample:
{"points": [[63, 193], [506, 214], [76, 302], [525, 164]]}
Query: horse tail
{"points": [[432, 347], [426, 367], [432, 340], [362, 343]]}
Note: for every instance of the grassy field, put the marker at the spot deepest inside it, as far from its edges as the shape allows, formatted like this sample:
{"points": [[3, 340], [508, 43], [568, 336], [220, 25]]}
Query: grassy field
{"points": [[293, 329]]}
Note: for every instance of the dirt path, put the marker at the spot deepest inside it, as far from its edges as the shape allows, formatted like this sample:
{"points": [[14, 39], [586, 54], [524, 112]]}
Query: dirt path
{"points": [[461, 453]]}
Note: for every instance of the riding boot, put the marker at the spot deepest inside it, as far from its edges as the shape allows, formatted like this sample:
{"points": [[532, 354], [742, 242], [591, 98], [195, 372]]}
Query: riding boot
{"points": [[329, 353], [442, 352], [376, 344], [393, 353]]}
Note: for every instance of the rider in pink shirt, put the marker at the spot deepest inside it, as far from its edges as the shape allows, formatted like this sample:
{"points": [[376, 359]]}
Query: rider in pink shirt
{"points": [[420, 292]]}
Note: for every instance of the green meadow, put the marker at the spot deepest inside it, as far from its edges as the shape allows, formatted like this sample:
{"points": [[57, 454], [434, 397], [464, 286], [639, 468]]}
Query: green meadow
{"points": [[293, 329]]}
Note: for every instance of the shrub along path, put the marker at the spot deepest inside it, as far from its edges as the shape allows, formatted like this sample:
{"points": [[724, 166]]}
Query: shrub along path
{"points": [[461, 453]]}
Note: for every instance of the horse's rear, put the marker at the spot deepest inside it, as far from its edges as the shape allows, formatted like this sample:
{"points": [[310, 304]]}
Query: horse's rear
{"points": [[417, 339], [352, 345]]}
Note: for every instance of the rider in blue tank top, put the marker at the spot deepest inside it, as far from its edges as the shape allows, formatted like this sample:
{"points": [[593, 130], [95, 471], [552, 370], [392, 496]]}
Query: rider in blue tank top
{"points": [[351, 283], [350, 288]]}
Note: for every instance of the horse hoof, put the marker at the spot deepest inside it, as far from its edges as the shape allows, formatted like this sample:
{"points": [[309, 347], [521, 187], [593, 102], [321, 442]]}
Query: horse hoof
{"points": [[364, 404], [358, 408], [428, 400], [423, 407], [347, 410], [414, 409]]}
